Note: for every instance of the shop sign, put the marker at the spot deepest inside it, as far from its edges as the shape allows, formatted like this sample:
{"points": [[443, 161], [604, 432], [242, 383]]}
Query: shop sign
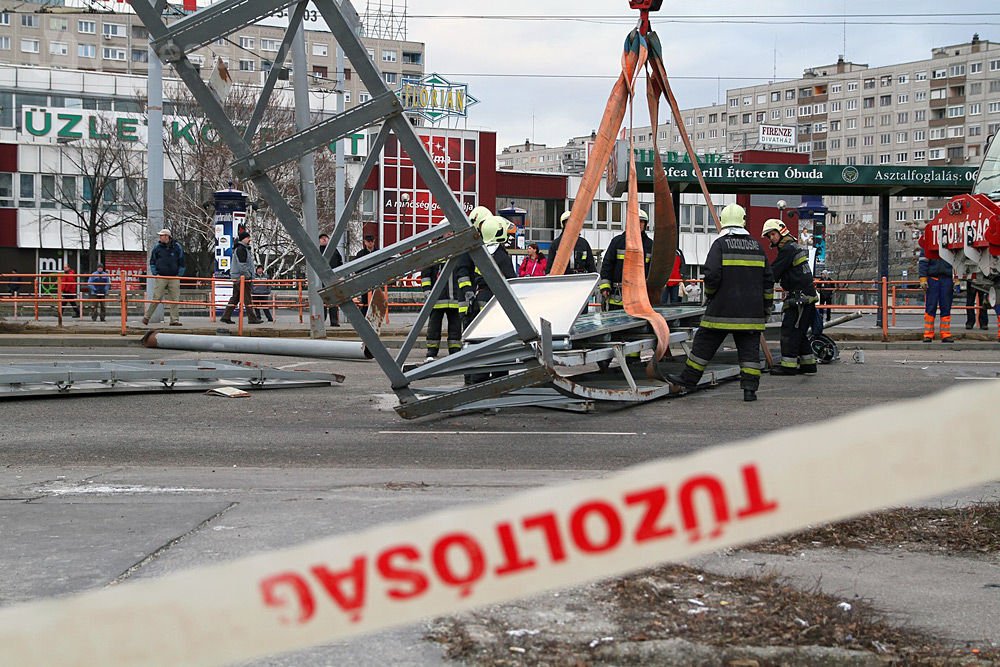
{"points": [[777, 135], [435, 97]]}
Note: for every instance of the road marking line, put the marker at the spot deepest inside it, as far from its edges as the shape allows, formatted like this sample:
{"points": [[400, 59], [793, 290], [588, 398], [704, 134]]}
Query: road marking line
{"points": [[525, 432], [547, 538], [939, 361]]}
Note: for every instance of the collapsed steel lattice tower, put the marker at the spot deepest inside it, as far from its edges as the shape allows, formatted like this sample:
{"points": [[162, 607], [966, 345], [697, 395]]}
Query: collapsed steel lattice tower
{"points": [[446, 241]]}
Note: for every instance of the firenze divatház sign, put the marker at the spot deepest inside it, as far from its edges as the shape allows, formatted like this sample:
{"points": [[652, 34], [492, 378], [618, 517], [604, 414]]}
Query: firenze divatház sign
{"points": [[776, 135]]}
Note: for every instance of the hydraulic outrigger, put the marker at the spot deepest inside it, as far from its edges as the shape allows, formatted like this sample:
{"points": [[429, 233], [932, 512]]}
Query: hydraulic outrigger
{"points": [[529, 363]]}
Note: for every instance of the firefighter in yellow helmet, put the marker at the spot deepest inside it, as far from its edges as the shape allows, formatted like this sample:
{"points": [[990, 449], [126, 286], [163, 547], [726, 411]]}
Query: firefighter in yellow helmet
{"points": [[478, 215], [739, 289], [582, 259], [494, 233], [613, 264], [791, 269]]}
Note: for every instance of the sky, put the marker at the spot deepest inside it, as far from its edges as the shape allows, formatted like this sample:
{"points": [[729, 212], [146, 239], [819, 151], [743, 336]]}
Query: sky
{"points": [[708, 48]]}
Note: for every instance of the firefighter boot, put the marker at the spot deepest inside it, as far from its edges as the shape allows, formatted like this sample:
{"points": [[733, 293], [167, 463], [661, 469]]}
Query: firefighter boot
{"points": [[749, 395], [253, 318], [227, 315]]}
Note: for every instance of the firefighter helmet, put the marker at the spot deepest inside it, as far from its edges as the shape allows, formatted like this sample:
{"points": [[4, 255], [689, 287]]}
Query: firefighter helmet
{"points": [[493, 229], [642, 216], [564, 217], [774, 225], [734, 215], [479, 214]]}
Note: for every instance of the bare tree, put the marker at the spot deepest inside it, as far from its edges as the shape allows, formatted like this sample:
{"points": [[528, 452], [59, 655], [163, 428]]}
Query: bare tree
{"points": [[200, 163], [113, 185], [851, 251]]}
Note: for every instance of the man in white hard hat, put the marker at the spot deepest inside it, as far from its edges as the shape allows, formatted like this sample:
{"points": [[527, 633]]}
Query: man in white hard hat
{"points": [[739, 288], [613, 264], [791, 269], [582, 259]]}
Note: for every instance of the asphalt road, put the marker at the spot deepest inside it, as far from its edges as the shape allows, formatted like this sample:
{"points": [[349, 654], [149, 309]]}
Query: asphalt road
{"points": [[103, 489]]}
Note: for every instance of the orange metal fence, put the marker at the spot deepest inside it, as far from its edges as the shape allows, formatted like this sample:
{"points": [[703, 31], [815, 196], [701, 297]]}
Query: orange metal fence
{"points": [[40, 294]]}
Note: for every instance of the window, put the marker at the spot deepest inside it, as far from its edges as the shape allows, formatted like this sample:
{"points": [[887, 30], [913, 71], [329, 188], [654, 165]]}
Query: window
{"points": [[919, 155], [885, 119], [869, 121], [836, 88], [247, 65], [776, 96], [271, 45], [920, 76], [86, 50], [4, 18], [994, 107], [790, 94], [975, 68], [920, 96], [903, 117], [140, 55], [248, 43], [938, 93], [852, 142], [836, 106], [819, 127], [885, 139], [775, 114], [939, 74], [936, 154], [388, 55], [59, 48], [852, 123], [747, 118], [868, 103], [956, 153], [734, 101], [761, 98], [58, 24], [956, 111], [113, 30], [363, 97], [852, 86], [903, 98], [903, 79], [936, 133], [835, 126], [868, 159], [956, 70], [955, 132], [902, 157], [29, 45], [834, 144], [347, 97], [714, 117], [761, 116], [975, 88], [391, 78], [4, 43], [975, 130], [919, 116], [885, 80], [86, 27], [869, 83], [26, 193], [111, 53], [901, 217], [869, 140], [852, 105], [321, 50], [885, 100], [790, 112], [901, 137], [994, 86], [29, 21]]}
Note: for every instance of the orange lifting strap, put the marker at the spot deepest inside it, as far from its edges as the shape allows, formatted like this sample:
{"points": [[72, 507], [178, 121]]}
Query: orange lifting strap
{"points": [[638, 292]]}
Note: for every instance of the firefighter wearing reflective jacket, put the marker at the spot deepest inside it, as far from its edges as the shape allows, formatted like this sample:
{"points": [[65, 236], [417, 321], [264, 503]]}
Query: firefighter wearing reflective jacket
{"points": [[739, 288], [451, 301], [493, 231], [938, 285], [791, 269], [614, 262], [582, 259]]}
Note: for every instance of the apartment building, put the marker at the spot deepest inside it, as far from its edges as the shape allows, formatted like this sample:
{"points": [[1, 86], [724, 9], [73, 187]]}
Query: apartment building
{"points": [[118, 43]]}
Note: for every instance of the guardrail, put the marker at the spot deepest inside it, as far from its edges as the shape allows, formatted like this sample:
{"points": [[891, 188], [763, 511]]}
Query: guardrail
{"points": [[40, 293]]}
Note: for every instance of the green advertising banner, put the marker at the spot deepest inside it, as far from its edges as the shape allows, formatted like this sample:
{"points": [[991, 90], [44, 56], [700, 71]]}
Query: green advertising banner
{"points": [[732, 177]]}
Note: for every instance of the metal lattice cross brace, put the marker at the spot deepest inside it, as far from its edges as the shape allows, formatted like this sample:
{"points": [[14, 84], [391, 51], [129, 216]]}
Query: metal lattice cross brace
{"points": [[452, 238]]}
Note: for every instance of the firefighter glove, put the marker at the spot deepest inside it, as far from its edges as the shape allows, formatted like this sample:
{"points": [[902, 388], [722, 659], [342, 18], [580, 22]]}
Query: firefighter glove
{"points": [[606, 293], [427, 294], [923, 283]]}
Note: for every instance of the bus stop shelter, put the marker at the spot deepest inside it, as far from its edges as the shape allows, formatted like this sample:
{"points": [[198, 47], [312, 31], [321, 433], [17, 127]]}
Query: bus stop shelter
{"points": [[882, 181]]}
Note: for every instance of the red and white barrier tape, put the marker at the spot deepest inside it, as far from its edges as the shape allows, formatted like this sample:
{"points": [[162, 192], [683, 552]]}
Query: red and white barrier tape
{"points": [[547, 538]]}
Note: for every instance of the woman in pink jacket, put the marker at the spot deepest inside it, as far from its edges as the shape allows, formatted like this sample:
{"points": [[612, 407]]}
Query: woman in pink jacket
{"points": [[533, 264]]}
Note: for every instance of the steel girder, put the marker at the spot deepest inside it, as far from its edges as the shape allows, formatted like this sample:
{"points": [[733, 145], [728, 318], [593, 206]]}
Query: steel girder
{"points": [[452, 238]]}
